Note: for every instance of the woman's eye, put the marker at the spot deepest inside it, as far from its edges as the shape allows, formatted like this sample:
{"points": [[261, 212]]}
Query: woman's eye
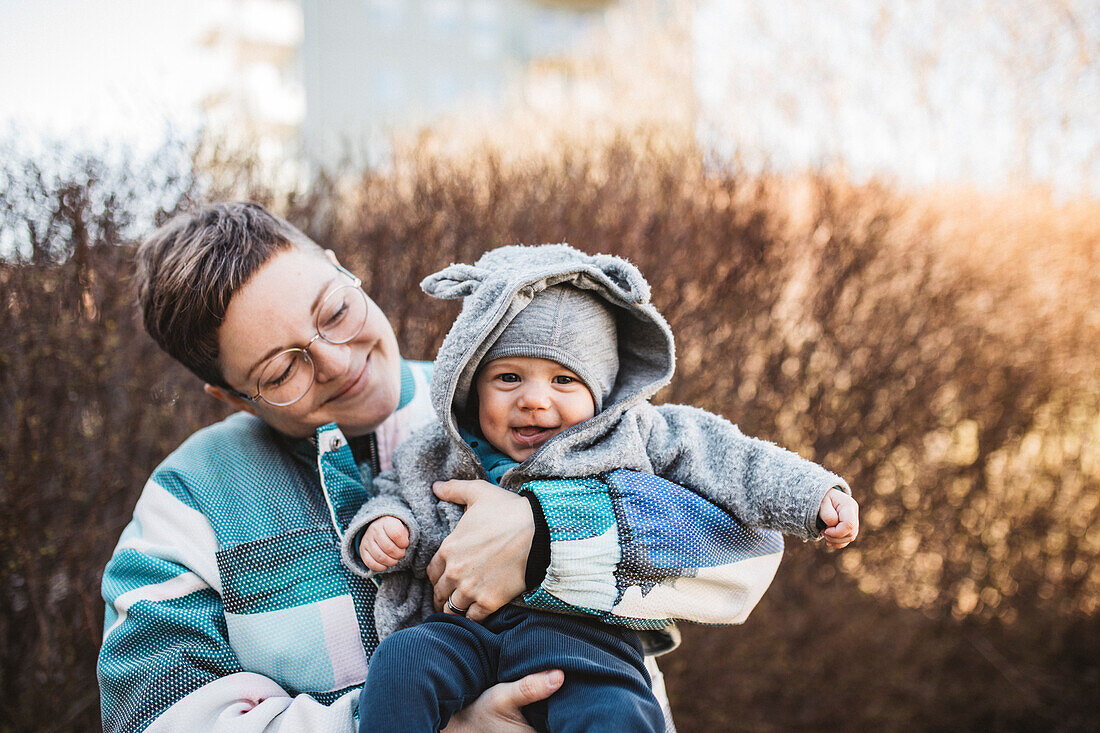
{"points": [[336, 316], [277, 381]]}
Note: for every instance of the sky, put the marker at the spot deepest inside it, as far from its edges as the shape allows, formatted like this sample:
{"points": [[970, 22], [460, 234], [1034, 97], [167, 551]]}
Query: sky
{"points": [[924, 91], [798, 82], [102, 69]]}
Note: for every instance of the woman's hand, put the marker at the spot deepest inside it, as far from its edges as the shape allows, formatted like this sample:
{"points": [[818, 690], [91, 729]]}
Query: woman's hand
{"points": [[482, 562], [498, 708]]}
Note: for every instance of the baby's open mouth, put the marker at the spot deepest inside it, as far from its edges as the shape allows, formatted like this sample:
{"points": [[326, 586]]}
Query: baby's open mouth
{"points": [[532, 434]]}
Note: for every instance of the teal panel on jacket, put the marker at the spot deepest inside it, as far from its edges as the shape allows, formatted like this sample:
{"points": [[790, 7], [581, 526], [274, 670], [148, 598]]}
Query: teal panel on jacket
{"points": [[340, 474], [576, 509], [130, 569], [178, 639], [234, 469], [292, 569]]}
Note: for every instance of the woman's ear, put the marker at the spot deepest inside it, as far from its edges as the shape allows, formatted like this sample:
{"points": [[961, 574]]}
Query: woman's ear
{"points": [[234, 401]]}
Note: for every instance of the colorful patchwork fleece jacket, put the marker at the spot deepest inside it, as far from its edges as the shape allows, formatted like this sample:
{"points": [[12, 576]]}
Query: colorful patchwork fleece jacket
{"points": [[228, 607]]}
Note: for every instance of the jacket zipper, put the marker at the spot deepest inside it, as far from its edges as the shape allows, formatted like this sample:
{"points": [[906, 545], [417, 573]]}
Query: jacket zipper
{"points": [[372, 455]]}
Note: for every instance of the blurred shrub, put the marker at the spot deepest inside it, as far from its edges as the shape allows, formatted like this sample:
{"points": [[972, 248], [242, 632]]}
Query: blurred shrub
{"points": [[937, 351]]}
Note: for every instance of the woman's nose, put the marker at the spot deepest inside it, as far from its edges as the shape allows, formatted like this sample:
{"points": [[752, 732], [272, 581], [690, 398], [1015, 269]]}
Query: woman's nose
{"points": [[330, 361]]}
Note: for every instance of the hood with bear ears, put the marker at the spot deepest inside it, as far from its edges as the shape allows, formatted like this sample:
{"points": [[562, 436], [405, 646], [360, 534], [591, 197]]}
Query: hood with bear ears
{"points": [[501, 284]]}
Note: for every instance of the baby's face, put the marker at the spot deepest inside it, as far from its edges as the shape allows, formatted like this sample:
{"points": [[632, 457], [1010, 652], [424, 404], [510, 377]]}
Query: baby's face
{"points": [[524, 402]]}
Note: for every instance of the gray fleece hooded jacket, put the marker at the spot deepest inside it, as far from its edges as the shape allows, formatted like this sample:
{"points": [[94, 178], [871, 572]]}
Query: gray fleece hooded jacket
{"points": [[755, 482]]}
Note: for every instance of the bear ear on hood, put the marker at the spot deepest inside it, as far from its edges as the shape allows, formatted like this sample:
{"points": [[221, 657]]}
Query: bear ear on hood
{"points": [[624, 276], [454, 281]]}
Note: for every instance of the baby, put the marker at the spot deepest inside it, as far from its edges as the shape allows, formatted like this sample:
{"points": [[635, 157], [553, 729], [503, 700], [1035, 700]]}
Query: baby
{"points": [[547, 374]]}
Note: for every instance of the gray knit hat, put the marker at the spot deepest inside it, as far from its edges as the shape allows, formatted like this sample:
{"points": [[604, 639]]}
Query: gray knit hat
{"points": [[574, 327]]}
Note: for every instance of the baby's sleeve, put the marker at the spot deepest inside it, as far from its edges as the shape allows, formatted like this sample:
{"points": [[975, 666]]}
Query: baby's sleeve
{"points": [[759, 483]]}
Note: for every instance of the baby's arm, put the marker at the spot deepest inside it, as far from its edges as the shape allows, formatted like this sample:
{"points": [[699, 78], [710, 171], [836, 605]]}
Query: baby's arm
{"points": [[759, 483], [389, 521], [383, 543], [405, 492]]}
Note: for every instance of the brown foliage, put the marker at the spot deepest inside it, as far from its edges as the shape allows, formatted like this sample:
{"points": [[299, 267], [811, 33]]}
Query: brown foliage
{"points": [[939, 353]]}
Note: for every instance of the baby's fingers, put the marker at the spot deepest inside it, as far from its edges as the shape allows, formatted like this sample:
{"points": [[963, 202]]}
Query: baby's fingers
{"points": [[827, 511], [397, 533], [843, 534], [382, 550], [374, 558], [373, 564], [386, 546]]}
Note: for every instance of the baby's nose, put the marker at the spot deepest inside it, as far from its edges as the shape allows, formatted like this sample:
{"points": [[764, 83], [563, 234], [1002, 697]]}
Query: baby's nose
{"points": [[535, 397]]}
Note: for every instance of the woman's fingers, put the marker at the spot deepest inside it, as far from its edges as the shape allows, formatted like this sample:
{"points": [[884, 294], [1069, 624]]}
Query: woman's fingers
{"points": [[459, 604], [486, 554]]}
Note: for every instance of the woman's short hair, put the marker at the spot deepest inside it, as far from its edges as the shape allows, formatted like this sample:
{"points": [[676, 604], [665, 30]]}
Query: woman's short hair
{"points": [[189, 269]]}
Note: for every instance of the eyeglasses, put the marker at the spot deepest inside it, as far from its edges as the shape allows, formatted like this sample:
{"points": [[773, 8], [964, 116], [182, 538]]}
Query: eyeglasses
{"points": [[286, 377]]}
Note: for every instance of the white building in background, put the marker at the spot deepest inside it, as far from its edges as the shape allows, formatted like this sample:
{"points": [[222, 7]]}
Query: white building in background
{"points": [[258, 98], [333, 80], [372, 67], [923, 91]]}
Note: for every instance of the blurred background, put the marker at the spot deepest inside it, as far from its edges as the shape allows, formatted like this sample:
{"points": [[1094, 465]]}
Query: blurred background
{"points": [[874, 226]]}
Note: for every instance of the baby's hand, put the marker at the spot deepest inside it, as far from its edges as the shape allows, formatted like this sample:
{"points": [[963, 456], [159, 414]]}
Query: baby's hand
{"points": [[384, 542], [840, 513]]}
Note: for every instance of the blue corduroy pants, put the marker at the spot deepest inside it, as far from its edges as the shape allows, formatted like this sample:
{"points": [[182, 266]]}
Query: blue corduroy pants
{"points": [[420, 676]]}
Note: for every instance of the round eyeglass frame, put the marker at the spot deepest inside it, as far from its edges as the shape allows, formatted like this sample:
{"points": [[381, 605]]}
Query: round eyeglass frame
{"points": [[353, 286]]}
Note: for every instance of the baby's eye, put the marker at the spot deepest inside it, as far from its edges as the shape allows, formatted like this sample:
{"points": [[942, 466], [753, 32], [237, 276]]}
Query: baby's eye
{"points": [[508, 377], [564, 379]]}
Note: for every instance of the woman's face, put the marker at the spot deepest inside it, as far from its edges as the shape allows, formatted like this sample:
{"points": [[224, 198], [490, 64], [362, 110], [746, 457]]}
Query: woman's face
{"points": [[356, 385]]}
